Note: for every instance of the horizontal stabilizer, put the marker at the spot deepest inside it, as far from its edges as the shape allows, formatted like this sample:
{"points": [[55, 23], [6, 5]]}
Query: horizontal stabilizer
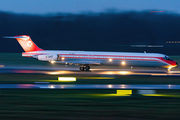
{"points": [[14, 37]]}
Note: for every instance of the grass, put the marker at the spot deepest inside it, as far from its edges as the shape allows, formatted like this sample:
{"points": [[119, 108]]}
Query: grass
{"points": [[85, 104], [78, 104]]}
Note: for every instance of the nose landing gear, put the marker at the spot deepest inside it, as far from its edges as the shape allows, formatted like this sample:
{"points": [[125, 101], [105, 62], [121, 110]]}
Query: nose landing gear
{"points": [[85, 68], [169, 69]]}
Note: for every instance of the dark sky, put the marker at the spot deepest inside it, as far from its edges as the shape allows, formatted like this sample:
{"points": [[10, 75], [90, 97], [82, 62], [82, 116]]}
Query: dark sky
{"points": [[78, 6]]}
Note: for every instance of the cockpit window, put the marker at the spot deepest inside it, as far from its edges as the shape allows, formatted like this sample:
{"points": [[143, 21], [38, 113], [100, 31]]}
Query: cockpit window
{"points": [[167, 58]]}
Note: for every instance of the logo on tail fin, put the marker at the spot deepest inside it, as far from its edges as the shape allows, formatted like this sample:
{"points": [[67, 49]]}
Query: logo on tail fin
{"points": [[29, 43]]}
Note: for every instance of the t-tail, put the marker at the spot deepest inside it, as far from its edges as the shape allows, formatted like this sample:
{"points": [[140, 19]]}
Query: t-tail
{"points": [[26, 43]]}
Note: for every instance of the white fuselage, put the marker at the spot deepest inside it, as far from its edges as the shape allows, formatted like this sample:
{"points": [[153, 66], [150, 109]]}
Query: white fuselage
{"points": [[102, 58]]}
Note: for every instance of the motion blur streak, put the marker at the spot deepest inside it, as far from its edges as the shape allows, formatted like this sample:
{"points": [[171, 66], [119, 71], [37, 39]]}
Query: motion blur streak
{"points": [[174, 71], [118, 93], [124, 72], [116, 72], [52, 86], [159, 74], [95, 77], [109, 95], [123, 86], [161, 95], [102, 72], [58, 72], [90, 86]]}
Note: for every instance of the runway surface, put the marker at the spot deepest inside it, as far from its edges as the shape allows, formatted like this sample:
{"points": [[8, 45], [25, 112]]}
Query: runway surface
{"points": [[102, 72], [86, 86], [75, 71]]}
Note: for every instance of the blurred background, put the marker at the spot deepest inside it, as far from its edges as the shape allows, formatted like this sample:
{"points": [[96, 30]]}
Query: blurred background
{"points": [[102, 25]]}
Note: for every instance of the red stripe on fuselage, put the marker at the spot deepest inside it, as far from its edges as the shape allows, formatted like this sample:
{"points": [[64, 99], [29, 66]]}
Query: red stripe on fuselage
{"points": [[173, 63], [159, 59], [109, 57]]}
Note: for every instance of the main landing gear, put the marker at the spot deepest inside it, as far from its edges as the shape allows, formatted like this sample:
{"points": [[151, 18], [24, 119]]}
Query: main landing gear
{"points": [[85, 68]]}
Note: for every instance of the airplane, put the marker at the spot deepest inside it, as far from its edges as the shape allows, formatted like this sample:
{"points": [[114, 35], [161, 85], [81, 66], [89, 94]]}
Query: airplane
{"points": [[85, 59]]}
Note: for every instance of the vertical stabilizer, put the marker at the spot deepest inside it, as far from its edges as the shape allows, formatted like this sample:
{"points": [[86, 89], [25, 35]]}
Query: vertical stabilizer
{"points": [[26, 43]]}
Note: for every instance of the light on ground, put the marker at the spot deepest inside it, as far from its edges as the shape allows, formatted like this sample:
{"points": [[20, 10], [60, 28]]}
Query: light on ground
{"points": [[52, 86], [169, 86], [66, 78], [123, 86], [109, 86], [108, 72], [58, 72], [1, 65], [52, 62], [124, 92], [52, 73], [158, 74], [95, 77], [124, 72]]}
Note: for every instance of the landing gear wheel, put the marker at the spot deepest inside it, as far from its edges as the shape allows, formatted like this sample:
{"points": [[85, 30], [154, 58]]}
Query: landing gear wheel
{"points": [[87, 68], [84, 68], [81, 68]]}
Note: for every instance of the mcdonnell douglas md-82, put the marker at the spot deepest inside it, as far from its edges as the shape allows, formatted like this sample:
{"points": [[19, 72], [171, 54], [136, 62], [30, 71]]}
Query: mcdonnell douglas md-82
{"points": [[87, 58]]}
